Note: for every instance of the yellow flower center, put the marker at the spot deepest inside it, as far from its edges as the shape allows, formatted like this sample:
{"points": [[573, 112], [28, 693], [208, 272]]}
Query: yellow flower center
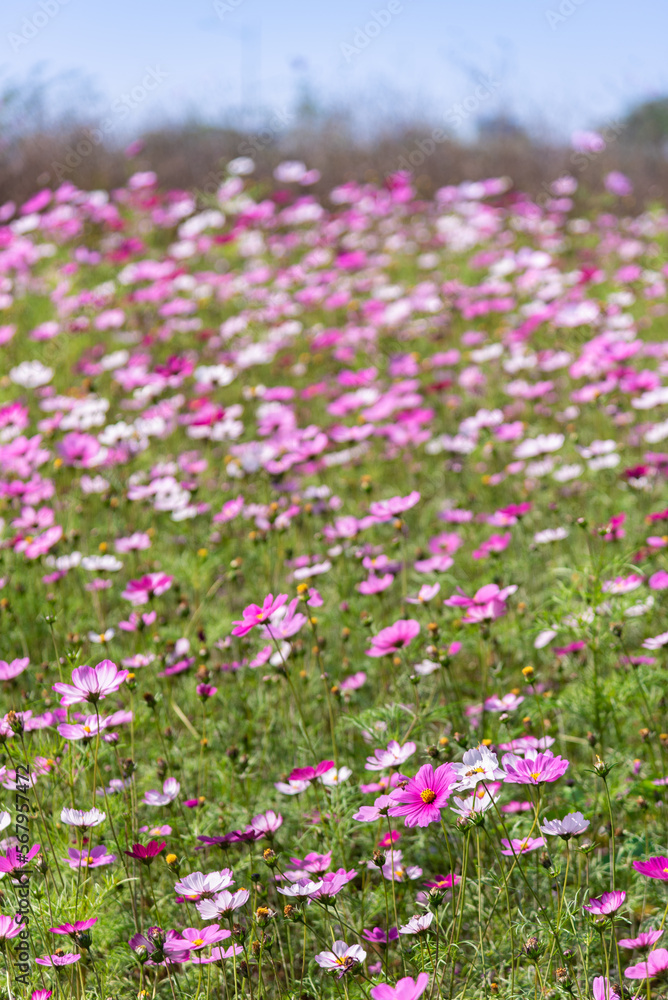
{"points": [[535, 775], [197, 941], [89, 860], [86, 729], [399, 872], [475, 770], [427, 795]]}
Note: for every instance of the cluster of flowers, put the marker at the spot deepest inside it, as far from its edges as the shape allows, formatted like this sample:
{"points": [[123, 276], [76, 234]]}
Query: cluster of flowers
{"points": [[284, 480]]}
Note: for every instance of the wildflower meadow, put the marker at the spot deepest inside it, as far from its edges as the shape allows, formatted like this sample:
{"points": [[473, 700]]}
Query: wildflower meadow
{"points": [[333, 573]]}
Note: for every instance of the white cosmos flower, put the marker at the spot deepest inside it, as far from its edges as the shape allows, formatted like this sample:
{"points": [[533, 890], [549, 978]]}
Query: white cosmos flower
{"points": [[550, 535], [204, 886], [31, 374], [478, 764], [420, 922], [83, 818], [101, 637], [567, 472], [335, 776]]}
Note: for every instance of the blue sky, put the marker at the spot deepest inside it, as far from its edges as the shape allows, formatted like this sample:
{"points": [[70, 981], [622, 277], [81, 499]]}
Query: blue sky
{"points": [[556, 64]]}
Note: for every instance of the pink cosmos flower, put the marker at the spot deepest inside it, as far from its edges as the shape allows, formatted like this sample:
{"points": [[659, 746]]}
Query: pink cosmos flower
{"points": [[369, 814], [385, 510], [312, 862], [266, 823], [512, 848], [170, 789], [89, 858], [15, 861], [254, 615], [657, 962], [426, 593], [492, 545], [375, 584], [602, 989], [136, 542], [58, 960], [394, 637], [341, 958], [352, 683], [618, 183], [39, 545], [658, 581], [644, 940], [9, 928], [444, 881], [287, 621], [8, 671], [606, 904], [333, 883], [151, 585], [425, 795], [379, 936], [536, 769], [194, 938], [406, 989], [91, 683], [508, 703], [653, 868], [488, 603], [394, 756], [218, 954]]}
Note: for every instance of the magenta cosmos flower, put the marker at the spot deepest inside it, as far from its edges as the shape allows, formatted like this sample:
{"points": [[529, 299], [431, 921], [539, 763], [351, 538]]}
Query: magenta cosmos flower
{"points": [[606, 904], [151, 585], [310, 773], [255, 615], [653, 868], [536, 769], [91, 683], [146, 854], [425, 795], [394, 637], [406, 989], [73, 929], [657, 962]]}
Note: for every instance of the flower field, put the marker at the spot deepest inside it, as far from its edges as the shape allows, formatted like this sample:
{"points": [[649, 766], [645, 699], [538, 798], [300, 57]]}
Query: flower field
{"points": [[332, 589]]}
